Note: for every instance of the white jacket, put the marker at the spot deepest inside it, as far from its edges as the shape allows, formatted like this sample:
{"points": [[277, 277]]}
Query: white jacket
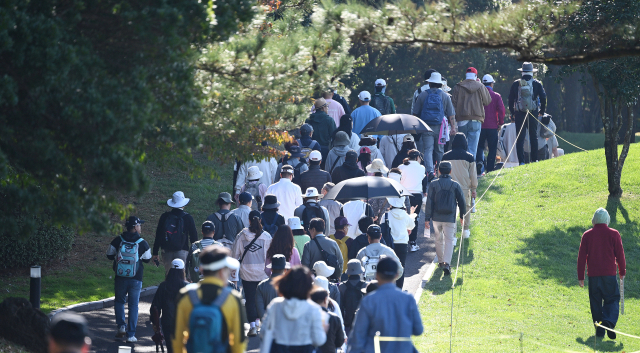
{"points": [[267, 167], [289, 195], [390, 145], [412, 176], [297, 322], [400, 224], [353, 211], [252, 266]]}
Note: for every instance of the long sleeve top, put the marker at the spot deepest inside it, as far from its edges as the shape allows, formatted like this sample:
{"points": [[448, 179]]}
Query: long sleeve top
{"points": [[189, 228], [298, 322], [538, 92], [494, 112], [600, 250]]}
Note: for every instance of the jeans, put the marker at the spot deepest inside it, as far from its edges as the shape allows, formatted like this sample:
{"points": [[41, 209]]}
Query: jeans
{"points": [[401, 251], [429, 146], [491, 137], [472, 131], [415, 200], [250, 289], [168, 256], [132, 287], [445, 233], [279, 348], [532, 125], [604, 299]]}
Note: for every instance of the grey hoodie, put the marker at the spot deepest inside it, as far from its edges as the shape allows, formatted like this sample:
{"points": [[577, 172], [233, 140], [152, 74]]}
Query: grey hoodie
{"points": [[297, 322], [377, 249], [336, 154]]}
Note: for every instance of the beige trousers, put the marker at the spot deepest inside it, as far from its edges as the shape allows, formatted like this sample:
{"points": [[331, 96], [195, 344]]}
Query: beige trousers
{"points": [[444, 234], [467, 200], [168, 256]]}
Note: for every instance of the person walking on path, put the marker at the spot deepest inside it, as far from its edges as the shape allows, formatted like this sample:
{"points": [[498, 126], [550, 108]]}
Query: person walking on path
{"points": [[250, 248], [380, 101], [216, 265], [341, 225], [377, 250], [314, 177], [361, 241], [346, 125], [266, 292], [310, 208], [414, 98], [193, 260], [292, 158], [332, 206], [267, 168], [245, 201], [351, 292], [336, 156], [600, 250], [163, 306], [313, 250], [335, 333], [255, 187], [282, 243], [128, 252], [334, 108], [469, 98], [300, 237], [271, 217], [68, 333], [176, 229], [227, 224], [390, 145], [464, 172], [372, 144], [527, 94], [401, 223], [349, 169], [363, 114], [493, 120], [415, 181], [433, 106], [323, 125], [288, 193], [332, 288], [443, 196], [306, 141], [388, 311], [297, 321], [343, 102]]}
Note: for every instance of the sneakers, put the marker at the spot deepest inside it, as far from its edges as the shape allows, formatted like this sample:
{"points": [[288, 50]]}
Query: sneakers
{"points": [[466, 233], [446, 269], [612, 335], [132, 339], [253, 332], [122, 331], [414, 247]]}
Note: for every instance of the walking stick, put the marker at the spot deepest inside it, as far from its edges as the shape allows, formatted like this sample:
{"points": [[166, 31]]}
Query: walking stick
{"points": [[622, 294]]}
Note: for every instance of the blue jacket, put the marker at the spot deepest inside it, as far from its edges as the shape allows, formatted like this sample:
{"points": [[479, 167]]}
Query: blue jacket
{"points": [[392, 312]]}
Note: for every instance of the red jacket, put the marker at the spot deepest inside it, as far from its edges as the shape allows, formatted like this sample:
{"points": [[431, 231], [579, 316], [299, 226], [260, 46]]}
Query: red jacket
{"points": [[600, 249], [494, 112]]}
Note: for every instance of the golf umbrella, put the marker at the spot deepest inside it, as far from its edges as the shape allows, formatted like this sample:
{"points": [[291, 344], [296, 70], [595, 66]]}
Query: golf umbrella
{"points": [[366, 187], [392, 124]]}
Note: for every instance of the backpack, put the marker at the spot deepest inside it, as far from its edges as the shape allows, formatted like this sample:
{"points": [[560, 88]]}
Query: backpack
{"points": [[370, 264], [253, 187], [342, 244], [127, 258], [432, 109], [350, 301], [173, 232], [310, 212], [206, 323], [525, 96], [387, 238], [270, 228], [329, 259], [446, 201], [307, 149], [296, 170], [194, 265], [381, 102], [222, 220]]}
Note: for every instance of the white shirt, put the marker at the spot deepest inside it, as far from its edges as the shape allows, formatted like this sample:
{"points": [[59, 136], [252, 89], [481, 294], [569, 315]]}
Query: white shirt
{"points": [[289, 195], [412, 176], [353, 211], [267, 167]]}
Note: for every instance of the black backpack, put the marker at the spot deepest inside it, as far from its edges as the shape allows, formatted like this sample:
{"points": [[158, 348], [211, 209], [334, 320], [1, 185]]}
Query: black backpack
{"points": [[222, 233], [296, 170], [446, 201], [310, 212], [270, 228], [381, 103], [331, 260], [350, 301], [173, 233], [387, 238]]}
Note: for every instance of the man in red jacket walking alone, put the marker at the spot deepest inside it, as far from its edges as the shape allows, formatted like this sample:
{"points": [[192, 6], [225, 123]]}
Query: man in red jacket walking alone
{"points": [[600, 249]]}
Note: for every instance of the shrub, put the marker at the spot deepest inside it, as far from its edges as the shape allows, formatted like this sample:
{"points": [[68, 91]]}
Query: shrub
{"points": [[48, 243]]}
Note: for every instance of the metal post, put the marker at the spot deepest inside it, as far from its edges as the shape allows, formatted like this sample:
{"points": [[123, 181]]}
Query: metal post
{"points": [[34, 288]]}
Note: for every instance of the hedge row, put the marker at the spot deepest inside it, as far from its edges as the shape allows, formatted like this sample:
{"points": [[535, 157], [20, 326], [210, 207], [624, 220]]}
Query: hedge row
{"points": [[48, 243]]}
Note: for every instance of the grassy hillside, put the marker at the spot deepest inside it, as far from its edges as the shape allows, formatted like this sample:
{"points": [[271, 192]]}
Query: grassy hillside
{"points": [[588, 141], [86, 274], [519, 273]]}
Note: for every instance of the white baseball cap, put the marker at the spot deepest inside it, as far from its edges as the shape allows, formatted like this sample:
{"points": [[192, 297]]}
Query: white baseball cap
{"points": [[322, 282], [487, 78], [311, 192], [322, 269], [315, 155], [177, 264], [364, 96], [381, 82]]}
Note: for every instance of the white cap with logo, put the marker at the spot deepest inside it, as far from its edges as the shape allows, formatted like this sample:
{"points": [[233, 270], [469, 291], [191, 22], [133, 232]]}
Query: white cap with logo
{"points": [[381, 82], [364, 96], [315, 156], [487, 79]]}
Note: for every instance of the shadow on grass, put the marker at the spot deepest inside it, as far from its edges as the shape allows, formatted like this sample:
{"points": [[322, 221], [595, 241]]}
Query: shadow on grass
{"points": [[441, 284], [602, 345]]}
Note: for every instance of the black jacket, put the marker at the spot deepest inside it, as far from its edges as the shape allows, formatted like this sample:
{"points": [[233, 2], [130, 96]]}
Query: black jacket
{"points": [[314, 177], [444, 182], [164, 306], [335, 335], [190, 232], [459, 150], [346, 171], [538, 92], [144, 253], [343, 102], [404, 153]]}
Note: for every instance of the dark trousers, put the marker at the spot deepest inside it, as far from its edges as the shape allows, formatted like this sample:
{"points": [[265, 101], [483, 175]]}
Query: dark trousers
{"points": [[279, 348], [401, 251], [250, 289], [604, 299], [415, 200], [491, 137], [168, 332], [531, 125], [324, 151]]}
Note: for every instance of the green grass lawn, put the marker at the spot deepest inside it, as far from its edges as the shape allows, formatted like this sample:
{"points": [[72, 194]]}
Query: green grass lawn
{"points": [[85, 274], [519, 273], [588, 141]]}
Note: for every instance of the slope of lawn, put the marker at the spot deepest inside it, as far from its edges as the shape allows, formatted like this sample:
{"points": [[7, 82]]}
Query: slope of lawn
{"points": [[587, 141], [85, 274], [519, 273]]}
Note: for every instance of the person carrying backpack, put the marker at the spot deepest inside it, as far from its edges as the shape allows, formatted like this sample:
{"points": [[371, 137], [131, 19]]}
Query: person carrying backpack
{"points": [[314, 177], [351, 293], [294, 158], [433, 106], [443, 197], [255, 187], [524, 96], [128, 252], [342, 225], [176, 230], [210, 312], [193, 260], [335, 333], [380, 101], [464, 172], [271, 217], [310, 209], [370, 255], [321, 248], [227, 224], [306, 143], [163, 306]]}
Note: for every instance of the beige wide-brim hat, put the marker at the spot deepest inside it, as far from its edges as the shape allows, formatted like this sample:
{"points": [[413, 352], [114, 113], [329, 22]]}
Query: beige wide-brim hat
{"points": [[178, 200], [254, 173], [377, 166]]}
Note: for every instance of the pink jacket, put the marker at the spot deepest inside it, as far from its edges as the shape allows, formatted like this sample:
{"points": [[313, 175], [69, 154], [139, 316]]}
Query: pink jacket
{"points": [[494, 112]]}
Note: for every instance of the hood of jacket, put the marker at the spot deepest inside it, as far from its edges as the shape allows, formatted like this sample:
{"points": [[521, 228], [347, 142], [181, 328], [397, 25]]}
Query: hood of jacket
{"points": [[294, 308], [471, 85], [130, 237], [319, 117], [247, 234], [397, 213], [341, 151], [459, 142]]}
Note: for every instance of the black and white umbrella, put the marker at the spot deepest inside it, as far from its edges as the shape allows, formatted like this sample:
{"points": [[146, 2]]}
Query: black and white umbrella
{"points": [[393, 124], [366, 187]]}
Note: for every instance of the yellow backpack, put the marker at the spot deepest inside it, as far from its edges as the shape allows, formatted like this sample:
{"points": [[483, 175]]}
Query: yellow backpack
{"points": [[342, 244]]}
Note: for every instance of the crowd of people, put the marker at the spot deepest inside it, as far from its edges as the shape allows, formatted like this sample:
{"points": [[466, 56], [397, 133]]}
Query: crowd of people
{"points": [[314, 274]]}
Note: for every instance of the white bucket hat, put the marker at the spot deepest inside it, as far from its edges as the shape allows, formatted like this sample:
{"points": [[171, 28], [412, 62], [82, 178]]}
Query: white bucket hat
{"points": [[377, 166], [311, 192], [322, 269], [254, 173], [178, 200], [294, 223], [436, 77], [396, 202], [322, 282]]}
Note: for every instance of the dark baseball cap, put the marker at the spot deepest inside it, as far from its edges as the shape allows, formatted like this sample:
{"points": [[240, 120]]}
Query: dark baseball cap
{"points": [[133, 221], [306, 129], [245, 197], [374, 231], [69, 328], [340, 222], [387, 266], [208, 227]]}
